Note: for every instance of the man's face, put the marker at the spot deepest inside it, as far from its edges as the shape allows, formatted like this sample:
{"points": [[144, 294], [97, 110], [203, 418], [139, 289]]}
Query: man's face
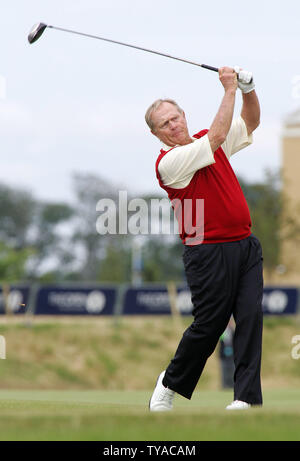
{"points": [[170, 125]]}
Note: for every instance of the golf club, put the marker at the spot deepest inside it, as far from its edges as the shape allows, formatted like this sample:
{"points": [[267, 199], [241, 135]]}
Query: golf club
{"points": [[38, 29]]}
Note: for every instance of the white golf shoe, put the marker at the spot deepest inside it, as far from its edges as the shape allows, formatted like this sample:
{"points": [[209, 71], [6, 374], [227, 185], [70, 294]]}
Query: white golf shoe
{"points": [[162, 397], [238, 405]]}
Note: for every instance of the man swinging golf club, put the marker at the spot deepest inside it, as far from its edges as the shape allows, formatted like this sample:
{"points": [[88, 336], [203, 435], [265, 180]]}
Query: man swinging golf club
{"points": [[222, 258]]}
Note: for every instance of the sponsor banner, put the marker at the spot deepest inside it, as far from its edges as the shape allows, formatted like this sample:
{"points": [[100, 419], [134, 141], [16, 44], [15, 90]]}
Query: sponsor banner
{"points": [[17, 298], [154, 301], [144, 300], [280, 301], [75, 301]]}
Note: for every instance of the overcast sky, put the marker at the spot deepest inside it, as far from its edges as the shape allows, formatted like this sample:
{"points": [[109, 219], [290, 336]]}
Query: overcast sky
{"points": [[73, 104]]}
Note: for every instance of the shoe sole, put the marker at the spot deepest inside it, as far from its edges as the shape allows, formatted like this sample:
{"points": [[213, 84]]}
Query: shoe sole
{"points": [[238, 408]]}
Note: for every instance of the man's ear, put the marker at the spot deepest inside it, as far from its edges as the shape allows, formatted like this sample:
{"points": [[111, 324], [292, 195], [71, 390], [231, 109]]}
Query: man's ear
{"points": [[154, 134]]}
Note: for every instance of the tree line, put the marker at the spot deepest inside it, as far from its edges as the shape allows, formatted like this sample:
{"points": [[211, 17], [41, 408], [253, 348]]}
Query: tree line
{"points": [[58, 241]]}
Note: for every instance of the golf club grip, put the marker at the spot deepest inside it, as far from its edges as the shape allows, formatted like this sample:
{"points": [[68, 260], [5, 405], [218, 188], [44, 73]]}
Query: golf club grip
{"points": [[215, 69]]}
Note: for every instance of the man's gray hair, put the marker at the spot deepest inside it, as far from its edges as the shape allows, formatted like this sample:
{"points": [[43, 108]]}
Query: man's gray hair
{"points": [[155, 106]]}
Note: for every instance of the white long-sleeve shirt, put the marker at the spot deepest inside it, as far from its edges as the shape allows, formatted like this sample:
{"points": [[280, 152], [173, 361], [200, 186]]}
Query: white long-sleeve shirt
{"points": [[179, 165]]}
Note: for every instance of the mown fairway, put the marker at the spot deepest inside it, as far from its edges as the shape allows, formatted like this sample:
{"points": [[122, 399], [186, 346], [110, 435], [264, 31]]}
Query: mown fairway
{"points": [[123, 415], [91, 379]]}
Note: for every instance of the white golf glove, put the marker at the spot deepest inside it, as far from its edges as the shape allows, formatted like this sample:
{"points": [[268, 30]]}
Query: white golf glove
{"points": [[245, 80]]}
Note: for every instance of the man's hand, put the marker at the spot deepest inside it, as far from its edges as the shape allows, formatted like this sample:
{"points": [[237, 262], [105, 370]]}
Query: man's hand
{"points": [[243, 80], [228, 78]]}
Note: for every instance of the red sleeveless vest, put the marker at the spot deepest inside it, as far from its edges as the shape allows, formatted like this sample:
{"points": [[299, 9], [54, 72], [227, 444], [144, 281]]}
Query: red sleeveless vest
{"points": [[212, 207]]}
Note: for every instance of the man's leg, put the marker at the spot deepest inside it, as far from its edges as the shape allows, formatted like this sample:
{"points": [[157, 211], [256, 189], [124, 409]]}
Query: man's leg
{"points": [[210, 271], [249, 324], [197, 344]]}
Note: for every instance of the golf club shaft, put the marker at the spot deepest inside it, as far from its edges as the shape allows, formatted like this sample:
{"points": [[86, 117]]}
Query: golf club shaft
{"points": [[205, 66]]}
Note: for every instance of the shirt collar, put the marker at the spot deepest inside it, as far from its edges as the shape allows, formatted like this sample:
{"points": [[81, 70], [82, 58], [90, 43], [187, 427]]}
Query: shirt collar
{"points": [[166, 148]]}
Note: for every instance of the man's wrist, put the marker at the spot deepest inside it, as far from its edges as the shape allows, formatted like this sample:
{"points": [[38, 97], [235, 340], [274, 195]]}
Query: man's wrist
{"points": [[247, 88], [230, 91], [249, 95]]}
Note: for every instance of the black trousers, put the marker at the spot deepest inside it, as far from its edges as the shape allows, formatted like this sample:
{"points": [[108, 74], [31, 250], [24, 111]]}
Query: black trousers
{"points": [[225, 279]]}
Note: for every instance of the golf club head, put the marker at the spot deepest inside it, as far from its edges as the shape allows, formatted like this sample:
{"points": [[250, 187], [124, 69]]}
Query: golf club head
{"points": [[36, 32]]}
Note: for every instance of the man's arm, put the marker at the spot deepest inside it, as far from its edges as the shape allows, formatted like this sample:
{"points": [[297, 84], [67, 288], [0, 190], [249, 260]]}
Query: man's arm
{"points": [[222, 122], [250, 111]]}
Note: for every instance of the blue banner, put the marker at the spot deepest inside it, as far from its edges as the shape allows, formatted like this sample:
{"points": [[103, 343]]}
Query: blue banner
{"points": [[17, 299], [73, 300], [280, 301], [155, 301], [95, 299]]}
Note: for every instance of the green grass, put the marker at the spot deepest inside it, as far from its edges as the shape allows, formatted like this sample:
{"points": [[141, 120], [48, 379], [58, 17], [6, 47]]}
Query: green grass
{"points": [[100, 353], [67, 361], [123, 415]]}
